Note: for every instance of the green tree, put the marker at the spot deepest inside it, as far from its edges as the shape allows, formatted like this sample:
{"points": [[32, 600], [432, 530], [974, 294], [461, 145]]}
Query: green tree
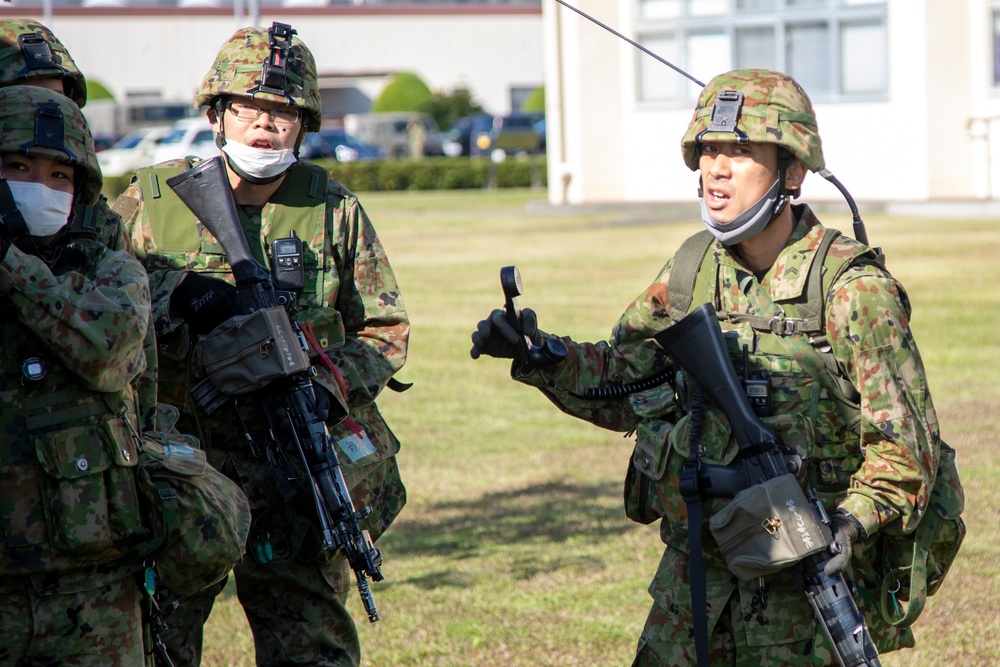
{"points": [[97, 91], [406, 92], [535, 101], [446, 108]]}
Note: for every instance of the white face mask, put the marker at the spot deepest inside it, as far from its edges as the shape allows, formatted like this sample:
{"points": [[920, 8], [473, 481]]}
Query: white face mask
{"points": [[259, 162], [45, 211]]}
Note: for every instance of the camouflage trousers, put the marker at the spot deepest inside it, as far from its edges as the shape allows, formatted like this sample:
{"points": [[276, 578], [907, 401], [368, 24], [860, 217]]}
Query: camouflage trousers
{"points": [[98, 627], [759, 624], [294, 604]]}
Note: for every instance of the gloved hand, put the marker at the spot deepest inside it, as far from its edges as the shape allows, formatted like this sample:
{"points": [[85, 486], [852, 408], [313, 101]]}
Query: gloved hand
{"points": [[495, 337], [204, 302], [846, 532]]}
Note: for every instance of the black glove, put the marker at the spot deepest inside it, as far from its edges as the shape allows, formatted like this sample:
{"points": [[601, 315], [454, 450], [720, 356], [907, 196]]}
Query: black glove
{"points": [[204, 302], [495, 337], [846, 532]]}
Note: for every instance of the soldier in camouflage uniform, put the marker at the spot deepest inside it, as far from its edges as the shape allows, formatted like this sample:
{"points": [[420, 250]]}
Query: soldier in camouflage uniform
{"points": [[74, 317], [351, 308], [31, 55], [848, 387]]}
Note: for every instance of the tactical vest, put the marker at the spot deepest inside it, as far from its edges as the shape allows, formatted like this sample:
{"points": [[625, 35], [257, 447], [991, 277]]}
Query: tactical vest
{"points": [[814, 408], [302, 204], [182, 243], [68, 498]]}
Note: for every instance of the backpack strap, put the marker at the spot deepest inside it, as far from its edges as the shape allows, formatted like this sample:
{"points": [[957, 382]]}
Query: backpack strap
{"points": [[685, 271]]}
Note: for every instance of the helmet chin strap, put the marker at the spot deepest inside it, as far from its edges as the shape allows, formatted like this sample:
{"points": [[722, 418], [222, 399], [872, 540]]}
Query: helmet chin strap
{"points": [[754, 219]]}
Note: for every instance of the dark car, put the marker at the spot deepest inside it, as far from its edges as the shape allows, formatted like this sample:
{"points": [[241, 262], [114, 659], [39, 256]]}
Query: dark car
{"points": [[462, 137], [338, 144], [515, 134]]}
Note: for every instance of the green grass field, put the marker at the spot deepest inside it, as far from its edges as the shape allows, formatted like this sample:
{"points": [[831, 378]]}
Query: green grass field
{"points": [[513, 548]]}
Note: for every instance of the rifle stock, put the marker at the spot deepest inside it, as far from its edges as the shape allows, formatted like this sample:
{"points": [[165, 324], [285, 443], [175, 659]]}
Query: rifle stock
{"points": [[289, 403], [696, 344]]}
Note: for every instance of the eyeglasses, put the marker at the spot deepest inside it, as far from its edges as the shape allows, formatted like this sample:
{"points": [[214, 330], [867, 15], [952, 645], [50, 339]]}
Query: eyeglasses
{"points": [[248, 113]]}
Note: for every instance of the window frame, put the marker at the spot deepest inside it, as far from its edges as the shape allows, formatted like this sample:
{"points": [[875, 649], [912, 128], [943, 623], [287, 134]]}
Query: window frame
{"points": [[836, 15]]}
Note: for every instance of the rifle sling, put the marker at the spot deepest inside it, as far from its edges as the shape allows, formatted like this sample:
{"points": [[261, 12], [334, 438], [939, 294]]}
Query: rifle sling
{"points": [[691, 493]]}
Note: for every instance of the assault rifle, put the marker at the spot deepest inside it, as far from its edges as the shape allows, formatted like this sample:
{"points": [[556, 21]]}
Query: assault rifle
{"points": [[696, 344], [297, 423]]}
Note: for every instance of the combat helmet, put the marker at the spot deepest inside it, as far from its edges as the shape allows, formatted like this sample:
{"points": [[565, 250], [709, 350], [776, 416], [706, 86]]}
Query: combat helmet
{"points": [[270, 64], [38, 121], [29, 50], [755, 106]]}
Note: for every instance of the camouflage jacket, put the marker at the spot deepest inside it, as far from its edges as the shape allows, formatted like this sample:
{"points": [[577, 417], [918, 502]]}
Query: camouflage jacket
{"points": [[73, 330], [883, 466], [351, 299]]}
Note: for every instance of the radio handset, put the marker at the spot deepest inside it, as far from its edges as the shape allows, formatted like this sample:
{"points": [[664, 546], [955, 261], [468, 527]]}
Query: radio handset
{"points": [[552, 350]]}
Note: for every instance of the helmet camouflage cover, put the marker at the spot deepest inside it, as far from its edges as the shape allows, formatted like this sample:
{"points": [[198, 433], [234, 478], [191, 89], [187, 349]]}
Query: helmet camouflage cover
{"points": [[38, 121], [768, 107], [29, 50], [247, 59]]}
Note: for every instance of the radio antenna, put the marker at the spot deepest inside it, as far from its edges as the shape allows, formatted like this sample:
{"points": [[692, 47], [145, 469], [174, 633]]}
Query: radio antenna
{"points": [[859, 226], [635, 44]]}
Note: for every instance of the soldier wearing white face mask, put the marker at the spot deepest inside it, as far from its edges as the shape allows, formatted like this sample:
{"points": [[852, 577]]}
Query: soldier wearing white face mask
{"points": [[262, 96]]}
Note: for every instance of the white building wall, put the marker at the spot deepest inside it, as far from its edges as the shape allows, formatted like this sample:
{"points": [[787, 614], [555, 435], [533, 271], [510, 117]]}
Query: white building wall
{"points": [[171, 49], [910, 147]]}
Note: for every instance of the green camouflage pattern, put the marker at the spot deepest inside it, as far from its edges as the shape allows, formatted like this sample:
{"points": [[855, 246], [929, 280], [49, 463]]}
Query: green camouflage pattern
{"points": [[90, 625], [14, 66], [314, 625], [69, 507], [68, 493], [201, 529], [237, 71], [882, 477], [776, 110], [17, 135], [353, 305]]}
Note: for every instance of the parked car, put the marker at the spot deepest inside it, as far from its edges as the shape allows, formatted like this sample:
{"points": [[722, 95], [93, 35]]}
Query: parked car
{"points": [[515, 133], [461, 137], [132, 151], [388, 131], [539, 128], [105, 140], [188, 136], [334, 142]]}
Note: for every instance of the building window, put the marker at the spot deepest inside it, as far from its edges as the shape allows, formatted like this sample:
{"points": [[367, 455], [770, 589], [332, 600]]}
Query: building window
{"points": [[837, 49], [996, 44]]}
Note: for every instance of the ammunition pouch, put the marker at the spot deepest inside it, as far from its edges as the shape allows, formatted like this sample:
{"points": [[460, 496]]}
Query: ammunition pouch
{"points": [[767, 528], [646, 467], [915, 564], [247, 352], [200, 517]]}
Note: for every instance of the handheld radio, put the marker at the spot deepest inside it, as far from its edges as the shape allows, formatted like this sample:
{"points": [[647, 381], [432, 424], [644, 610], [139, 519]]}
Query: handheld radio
{"points": [[286, 263]]}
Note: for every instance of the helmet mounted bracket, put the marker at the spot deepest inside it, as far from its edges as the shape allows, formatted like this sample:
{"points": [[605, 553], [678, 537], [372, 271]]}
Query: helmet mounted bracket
{"points": [[273, 72], [37, 54], [725, 115]]}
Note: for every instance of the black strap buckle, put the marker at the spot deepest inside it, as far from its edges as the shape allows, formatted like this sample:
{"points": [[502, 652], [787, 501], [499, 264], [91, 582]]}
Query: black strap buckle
{"points": [[688, 484]]}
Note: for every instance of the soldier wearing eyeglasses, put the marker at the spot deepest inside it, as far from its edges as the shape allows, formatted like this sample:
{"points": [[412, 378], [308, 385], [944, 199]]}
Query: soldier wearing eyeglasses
{"points": [[261, 96]]}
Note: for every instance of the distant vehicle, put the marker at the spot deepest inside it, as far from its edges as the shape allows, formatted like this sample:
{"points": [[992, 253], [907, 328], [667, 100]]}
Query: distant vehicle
{"points": [[515, 134], [333, 142], [105, 140], [539, 128], [189, 136], [387, 130], [461, 137], [132, 151]]}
